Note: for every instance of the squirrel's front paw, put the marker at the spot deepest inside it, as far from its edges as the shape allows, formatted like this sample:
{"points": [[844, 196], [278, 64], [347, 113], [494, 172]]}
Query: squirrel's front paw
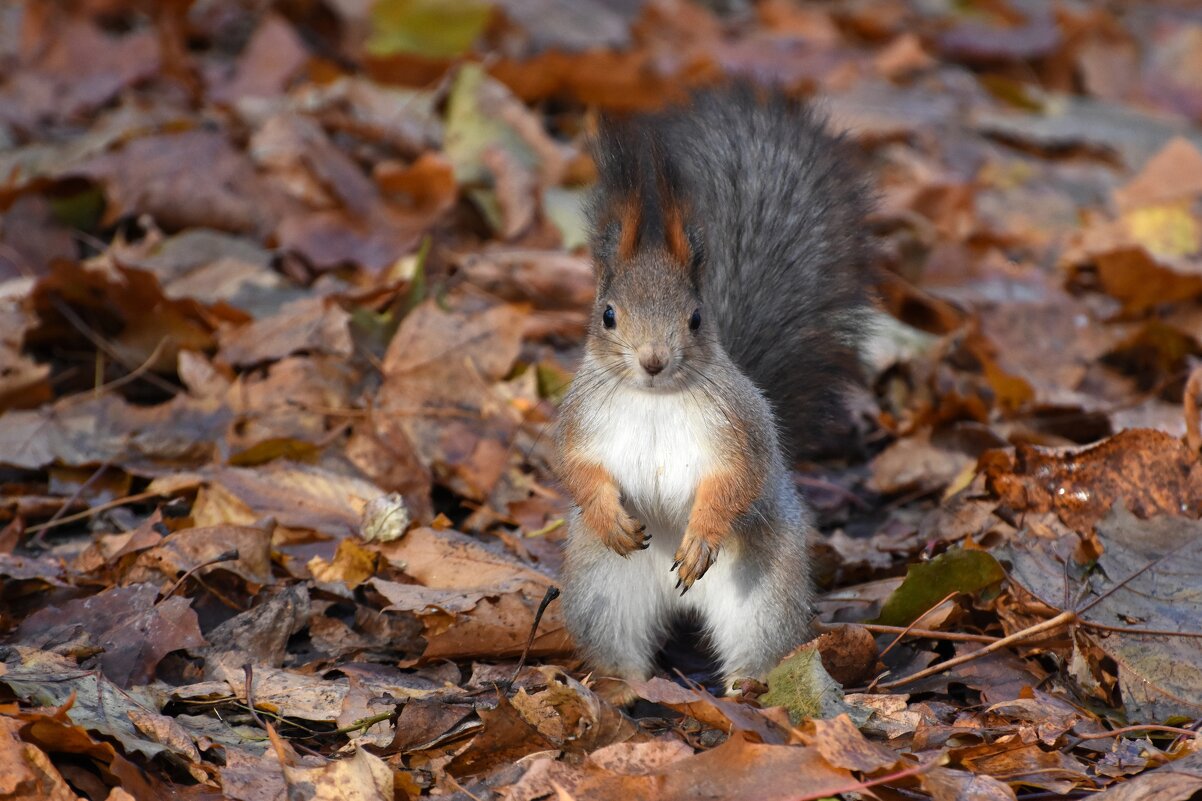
{"points": [[626, 535], [608, 519], [693, 558]]}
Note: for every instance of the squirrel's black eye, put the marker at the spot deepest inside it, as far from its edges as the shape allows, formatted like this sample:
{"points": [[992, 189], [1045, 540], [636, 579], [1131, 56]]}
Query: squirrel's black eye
{"points": [[609, 317], [695, 320]]}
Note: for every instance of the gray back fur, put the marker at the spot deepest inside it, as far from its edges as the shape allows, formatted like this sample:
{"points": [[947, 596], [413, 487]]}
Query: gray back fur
{"points": [[777, 209]]}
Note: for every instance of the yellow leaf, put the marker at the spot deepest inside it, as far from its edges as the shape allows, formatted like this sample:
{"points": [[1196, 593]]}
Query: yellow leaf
{"points": [[1166, 229], [353, 564]]}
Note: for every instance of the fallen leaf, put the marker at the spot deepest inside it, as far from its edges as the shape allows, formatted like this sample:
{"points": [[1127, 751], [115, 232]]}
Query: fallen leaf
{"points": [[131, 627], [439, 394], [261, 633], [958, 570], [506, 737], [156, 175], [945, 784], [46, 679], [311, 325], [1026, 765], [801, 685], [1176, 781], [427, 27], [1142, 581], [190, 548], [272, 57], [842, 745], [737, 768], [361, 777], [1153, 473], [721, 714], [29, 775]]}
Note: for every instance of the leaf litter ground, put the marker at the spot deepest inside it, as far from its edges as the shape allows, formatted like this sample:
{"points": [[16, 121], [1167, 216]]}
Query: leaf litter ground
{"points": [[288, 297]]}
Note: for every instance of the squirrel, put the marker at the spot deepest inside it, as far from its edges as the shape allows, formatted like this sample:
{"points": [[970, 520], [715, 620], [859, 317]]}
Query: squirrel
{"points": [[732, 264]]}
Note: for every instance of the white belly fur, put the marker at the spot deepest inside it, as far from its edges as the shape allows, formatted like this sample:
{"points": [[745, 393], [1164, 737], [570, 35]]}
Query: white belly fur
{"points": [[657, 448]]}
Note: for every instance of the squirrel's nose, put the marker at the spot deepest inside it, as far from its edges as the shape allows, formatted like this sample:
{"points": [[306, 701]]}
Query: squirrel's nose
{"points": [[653, 363]]}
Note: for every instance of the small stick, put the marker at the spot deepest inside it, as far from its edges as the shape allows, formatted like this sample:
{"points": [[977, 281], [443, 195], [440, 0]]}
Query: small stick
{"points": [[95, 510], [249, 672], [1064, 618], [929, 634], [104, 347], [1128, 729], [225, 556], [551, 594], [39, 539], [908, 628]]}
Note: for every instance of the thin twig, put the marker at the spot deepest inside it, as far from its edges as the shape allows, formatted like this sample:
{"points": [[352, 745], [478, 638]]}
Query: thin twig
{"points": [[551, 594], [95, 510], [38, 540], [907, 629], [117, 383], [929, 634], [249, 672], [1062, 619], [92, 336], [224, 556], [1089, 624], [1128, 729]]}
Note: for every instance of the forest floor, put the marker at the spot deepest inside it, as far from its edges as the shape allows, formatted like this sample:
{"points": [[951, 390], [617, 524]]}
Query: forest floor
{"points": [[289, 293]]}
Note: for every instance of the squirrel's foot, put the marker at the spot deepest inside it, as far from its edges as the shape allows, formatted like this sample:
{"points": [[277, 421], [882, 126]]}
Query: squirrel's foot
{"points": [[615, 691], [744, 687], [694, 557], [626, 535]]}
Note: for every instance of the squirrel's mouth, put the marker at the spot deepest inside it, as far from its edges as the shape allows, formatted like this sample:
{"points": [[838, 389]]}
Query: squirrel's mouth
{"points": [[662, 382]]}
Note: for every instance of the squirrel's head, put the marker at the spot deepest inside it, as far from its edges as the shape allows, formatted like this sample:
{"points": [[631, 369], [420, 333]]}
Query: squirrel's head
{"points": [[648, 325]]}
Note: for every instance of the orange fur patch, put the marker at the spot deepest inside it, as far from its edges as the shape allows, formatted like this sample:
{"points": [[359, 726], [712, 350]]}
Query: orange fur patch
{"points": [[630, 218], [675, 239], [720, 498]]}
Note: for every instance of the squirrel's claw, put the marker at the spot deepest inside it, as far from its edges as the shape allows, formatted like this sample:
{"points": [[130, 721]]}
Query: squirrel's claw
{"points": [[627, 536], [693, 559]]}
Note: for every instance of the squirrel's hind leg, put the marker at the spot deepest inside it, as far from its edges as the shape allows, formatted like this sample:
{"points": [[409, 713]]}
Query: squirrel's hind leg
{"points": [[755, 609], [615, 608]]}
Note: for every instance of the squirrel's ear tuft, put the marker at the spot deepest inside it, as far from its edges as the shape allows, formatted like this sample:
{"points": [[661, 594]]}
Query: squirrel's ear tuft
{"points": [[639, 200], [674, 215], [630, 224], [676, 239]]}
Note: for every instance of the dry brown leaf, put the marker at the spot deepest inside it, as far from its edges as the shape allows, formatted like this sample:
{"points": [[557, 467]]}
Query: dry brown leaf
{"points": [[1176, 781], [721, 714], [439, 393], [1153, 472], [506, 737], [842, 745], [129, 626], [28, 775], [157, 175], [296, 495], [738, 767], [272, 57], [190, 548], [1025, 765], [361, 777], [311, 325]]}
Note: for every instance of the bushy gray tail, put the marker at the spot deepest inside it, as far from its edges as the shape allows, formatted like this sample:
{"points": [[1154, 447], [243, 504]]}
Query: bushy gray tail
{"points": [[780, 208]]}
